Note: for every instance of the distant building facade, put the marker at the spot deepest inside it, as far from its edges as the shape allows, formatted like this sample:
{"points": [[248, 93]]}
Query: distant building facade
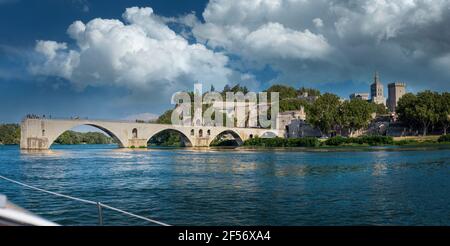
{"points": [[295, 125], [285, 118], [307, 97], [395, 91], [300, 129], [362, 96], [376, 91]]}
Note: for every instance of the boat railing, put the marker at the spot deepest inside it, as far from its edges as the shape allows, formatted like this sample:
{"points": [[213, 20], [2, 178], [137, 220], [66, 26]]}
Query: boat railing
{"points": [[100, 205]]}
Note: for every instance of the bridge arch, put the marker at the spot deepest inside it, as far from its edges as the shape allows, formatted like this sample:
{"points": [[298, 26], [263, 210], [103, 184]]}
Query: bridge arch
{"points": [[185, 136], [238, 138], [268, 134], [58, 131]]}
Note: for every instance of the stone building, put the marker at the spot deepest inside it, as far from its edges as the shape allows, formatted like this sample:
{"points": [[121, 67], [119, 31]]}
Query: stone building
{"points": [[363, 96], [307, 97], [396, 91], [285, 118], [376, 91], [300, 128], [295, 125]]}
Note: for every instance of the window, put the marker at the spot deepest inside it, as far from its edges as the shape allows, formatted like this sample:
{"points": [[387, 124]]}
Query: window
{"points": [[43, 132], [135, 133], [200, 133], [251, 135], [192, 132], [208, 132]]}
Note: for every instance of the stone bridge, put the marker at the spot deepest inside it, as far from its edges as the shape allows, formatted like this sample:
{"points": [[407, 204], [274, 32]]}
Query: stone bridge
{"points": [[39, 134]]}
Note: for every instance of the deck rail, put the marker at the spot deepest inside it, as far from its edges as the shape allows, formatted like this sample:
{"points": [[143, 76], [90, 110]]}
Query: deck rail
{"points": [[99, 205]]}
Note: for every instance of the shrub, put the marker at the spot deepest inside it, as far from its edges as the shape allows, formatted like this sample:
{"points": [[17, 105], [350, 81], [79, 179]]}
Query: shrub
{"points": [[282, 142], [303, 142], [370, 140], [274, 142], [375, 140], [444, 138], [336, 141]]}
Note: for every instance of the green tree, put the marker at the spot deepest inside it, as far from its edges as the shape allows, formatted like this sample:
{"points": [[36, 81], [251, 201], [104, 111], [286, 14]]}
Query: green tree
{"points": [[444, 111], [421, 111], [379, 109], [165, 118], [169, 138], [406, 110], [355, 114], [285, 92], [426, 109], [323, 113], [69, 137], [72, 137], [310, 91], [9, 134], [239, 88], [293, 104]]}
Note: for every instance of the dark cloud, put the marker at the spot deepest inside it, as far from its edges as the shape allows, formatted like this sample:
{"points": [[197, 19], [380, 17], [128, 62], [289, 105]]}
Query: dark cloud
{"points": [[404, 40]]}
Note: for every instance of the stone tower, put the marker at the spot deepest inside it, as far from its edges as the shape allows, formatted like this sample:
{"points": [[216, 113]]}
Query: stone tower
{"points": [[376, 91], [395, 91], [198, 110]]}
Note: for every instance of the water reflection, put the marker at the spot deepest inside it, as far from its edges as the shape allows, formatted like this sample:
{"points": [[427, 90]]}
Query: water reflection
{"points": [[236, 187], [380, 165]]}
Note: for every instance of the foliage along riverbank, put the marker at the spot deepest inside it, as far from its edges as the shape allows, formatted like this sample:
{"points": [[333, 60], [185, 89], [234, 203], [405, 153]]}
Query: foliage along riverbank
{"points": [[72, 137], [339, 142], [10, 135]]}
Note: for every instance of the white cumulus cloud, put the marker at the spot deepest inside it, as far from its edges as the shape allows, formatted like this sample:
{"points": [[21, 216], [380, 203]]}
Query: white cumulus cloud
{"points": [[139, 53]]}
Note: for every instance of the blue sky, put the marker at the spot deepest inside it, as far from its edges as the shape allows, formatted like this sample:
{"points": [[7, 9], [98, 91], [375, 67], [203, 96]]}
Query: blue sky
{"points": [[108, 60]]}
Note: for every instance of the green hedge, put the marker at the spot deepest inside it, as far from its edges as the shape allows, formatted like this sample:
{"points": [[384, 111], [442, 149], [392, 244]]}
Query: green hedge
{"points": [[303, 142], [370, 140], [336, 141], [444, 138], [282, 142]]}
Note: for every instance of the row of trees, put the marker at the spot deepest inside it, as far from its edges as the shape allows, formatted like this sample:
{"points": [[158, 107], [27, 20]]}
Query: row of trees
{"points": [[331, 115], [9, 134], [425, 111], [72, 137], [328, 112]]}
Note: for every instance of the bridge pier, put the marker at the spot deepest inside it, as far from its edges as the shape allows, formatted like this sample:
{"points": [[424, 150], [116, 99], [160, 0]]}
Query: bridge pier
{"points": [[137, 143], [201, 142], [30, 138]]}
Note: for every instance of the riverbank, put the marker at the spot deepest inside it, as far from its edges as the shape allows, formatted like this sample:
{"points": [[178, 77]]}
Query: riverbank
{"points": [[360, 148], [364, 141]]}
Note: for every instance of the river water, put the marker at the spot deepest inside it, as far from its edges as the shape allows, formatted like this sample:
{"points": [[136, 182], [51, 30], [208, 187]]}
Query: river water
{"points": [[375, 186]]}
